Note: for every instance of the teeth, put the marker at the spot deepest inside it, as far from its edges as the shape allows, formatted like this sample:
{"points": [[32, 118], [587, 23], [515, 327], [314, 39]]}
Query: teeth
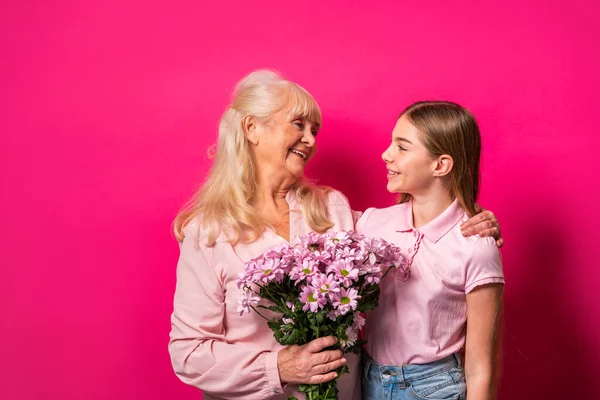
{"points": [[301, 154], [392, 172]]}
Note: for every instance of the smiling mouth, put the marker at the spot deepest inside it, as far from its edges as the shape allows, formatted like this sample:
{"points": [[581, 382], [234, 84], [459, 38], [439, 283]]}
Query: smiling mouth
{"points": [[299, 153], [393, 173]]}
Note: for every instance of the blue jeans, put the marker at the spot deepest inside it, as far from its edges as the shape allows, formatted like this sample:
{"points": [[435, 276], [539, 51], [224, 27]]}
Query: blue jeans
{"points": [[438, 380]]}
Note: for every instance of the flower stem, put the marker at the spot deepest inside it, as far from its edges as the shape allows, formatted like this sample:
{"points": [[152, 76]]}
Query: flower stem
{"points": [[386, 272], [256, 311]]}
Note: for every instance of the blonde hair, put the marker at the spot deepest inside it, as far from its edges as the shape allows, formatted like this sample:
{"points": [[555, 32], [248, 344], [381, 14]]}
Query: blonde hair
{"points": [[222, 203], [448, 128]]}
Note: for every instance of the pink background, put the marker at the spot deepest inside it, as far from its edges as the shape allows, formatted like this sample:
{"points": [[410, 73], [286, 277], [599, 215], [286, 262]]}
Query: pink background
{"points": [[107, 109]]}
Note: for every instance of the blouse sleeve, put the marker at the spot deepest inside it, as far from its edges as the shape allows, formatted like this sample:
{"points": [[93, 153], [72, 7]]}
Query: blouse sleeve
{"points": [[340, 212], [200, 353]]}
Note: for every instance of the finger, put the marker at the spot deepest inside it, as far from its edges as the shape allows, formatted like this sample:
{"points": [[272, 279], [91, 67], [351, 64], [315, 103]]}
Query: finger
{"points": [[476, 219], [330, 366], [482, 216], [489, 224], [496, 232], [484, 225], [319, 344], [315, 379], [500, 243], [492, 232], [326, 356]]}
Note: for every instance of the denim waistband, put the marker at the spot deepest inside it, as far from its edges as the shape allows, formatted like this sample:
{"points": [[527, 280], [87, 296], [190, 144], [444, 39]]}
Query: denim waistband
{"points": [[411, 372]]}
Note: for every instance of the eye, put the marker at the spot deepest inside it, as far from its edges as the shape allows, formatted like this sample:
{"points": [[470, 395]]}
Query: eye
{"points": [[299, 125], [314, 132], [401, 148]]}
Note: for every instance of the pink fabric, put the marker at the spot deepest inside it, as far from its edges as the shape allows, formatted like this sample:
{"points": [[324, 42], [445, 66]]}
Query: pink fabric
{"points": [[424, 318], [212, 347]]}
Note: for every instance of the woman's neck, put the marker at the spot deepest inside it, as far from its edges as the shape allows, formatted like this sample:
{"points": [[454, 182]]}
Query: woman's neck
{"points": [[271, 195], [272, 187]]}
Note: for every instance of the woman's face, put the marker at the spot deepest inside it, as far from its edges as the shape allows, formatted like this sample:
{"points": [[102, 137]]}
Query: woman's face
{"points": [[285, 143]]}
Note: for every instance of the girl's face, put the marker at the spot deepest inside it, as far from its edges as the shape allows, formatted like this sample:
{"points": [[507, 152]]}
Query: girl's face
{"points": [[410, 167]]}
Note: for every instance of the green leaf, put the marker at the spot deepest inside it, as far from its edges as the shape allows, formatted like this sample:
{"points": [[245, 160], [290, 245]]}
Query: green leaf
{"points": [[320, 317], [292, 338], [367, 307], [274, 325], [323, 391], [343, 370]]}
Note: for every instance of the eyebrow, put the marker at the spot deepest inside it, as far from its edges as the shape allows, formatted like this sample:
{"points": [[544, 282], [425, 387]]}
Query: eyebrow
{"points": [[401, 139]]}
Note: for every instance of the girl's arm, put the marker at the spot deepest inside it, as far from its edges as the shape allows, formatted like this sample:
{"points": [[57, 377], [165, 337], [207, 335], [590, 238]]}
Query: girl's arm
{"points": [[482, 355]]}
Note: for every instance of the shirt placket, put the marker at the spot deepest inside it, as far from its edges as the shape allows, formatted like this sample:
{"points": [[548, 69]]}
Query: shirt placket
{"points": [[412, 251]]}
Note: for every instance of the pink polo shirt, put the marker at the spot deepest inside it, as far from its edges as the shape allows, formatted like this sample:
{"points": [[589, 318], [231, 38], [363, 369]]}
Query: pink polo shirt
{"points": [[212, 347], [424, 318]]}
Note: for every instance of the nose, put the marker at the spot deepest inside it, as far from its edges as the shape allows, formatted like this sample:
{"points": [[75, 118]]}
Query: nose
{"points": [[386, 156], [308, 138]]}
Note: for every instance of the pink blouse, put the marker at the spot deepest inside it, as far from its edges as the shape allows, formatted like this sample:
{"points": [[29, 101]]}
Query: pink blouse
{"points": [[212, 347]]}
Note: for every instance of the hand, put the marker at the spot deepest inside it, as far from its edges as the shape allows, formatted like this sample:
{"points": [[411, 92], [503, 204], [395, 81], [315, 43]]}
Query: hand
{"points": [[308, 363], [484, 224]]}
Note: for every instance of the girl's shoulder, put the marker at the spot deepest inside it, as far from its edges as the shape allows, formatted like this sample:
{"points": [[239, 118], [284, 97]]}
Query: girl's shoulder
{"points": [[387, 211], [379, 218], [480, 249]]}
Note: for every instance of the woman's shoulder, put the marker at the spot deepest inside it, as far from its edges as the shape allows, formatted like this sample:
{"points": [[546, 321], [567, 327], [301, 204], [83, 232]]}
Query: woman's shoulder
{"points": [[336, 198], [194, 233], [197, 232]]}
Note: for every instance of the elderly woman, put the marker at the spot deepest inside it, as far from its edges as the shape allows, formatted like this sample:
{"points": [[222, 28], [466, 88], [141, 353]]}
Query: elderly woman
{"points": [[255, 198]]}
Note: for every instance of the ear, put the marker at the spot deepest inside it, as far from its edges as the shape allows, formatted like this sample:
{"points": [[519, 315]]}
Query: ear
{"points": [[249, 125], [443, 165]]}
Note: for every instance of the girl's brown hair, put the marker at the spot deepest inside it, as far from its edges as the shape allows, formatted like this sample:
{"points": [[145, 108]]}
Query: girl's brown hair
{"points": [[448, 128]]}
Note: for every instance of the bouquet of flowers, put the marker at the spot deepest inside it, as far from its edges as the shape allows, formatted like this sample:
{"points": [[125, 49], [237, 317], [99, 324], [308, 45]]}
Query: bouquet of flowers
{"points": [[319, 286]]}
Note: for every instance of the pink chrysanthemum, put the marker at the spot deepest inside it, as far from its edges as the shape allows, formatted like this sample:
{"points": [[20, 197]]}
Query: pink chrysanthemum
{"points": [[312, 299], [305, 271], [344, 271], [247, 300], [346, 300], [326, 284]]}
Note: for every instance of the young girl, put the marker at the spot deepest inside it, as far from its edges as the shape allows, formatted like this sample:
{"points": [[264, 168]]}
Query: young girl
{"points": [[450, 304]]}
